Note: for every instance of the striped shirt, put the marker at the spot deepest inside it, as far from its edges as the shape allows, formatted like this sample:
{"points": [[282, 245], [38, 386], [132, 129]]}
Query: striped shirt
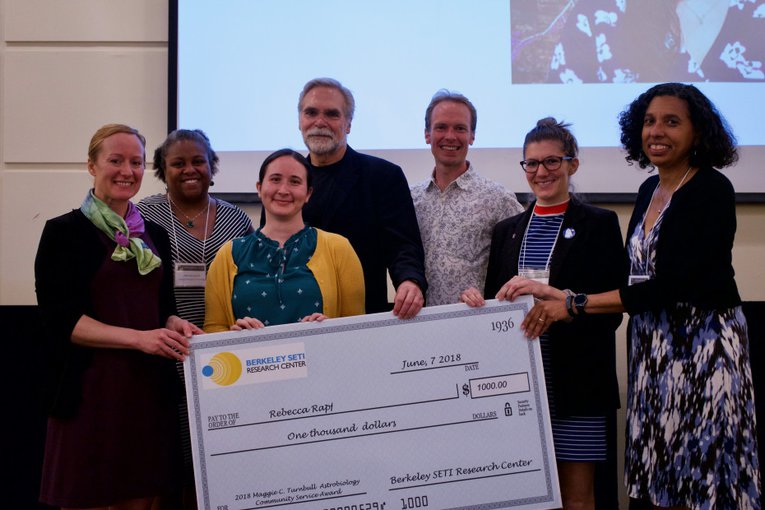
{"points": [[576, 438], [229, 222]]}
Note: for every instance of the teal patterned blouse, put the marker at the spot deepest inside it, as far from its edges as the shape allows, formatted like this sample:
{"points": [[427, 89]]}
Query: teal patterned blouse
{"points": [[273, 284]]}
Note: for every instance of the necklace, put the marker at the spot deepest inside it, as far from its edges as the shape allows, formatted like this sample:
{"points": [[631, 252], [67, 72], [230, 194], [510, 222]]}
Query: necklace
{"points": [[658, 188], [189, 219]]}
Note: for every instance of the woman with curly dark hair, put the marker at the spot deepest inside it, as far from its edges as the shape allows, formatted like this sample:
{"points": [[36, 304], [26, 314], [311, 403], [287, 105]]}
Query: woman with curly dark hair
{"points": [[691, 433], [198, 225]]}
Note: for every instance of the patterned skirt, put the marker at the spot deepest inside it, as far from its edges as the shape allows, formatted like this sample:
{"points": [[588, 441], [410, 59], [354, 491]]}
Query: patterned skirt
{"points": [[691, 432]]}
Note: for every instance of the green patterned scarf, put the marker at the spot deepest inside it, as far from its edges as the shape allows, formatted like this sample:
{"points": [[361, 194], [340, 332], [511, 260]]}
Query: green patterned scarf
{"points": [[125, 232]]}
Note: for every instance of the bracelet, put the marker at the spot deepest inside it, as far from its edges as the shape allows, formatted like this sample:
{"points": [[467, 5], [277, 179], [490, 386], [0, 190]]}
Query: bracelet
{"points": [[570, 305]]}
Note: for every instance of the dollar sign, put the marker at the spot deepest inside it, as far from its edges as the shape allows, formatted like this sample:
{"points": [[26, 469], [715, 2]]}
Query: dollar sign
{"points": [[466, 389]]}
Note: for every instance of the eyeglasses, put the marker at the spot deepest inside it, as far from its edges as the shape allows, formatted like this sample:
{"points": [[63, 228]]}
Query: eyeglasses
{"points": [[550, 163]]}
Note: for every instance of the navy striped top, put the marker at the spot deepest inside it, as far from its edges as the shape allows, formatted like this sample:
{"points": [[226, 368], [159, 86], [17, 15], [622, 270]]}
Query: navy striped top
{"points": [[576, 438]]}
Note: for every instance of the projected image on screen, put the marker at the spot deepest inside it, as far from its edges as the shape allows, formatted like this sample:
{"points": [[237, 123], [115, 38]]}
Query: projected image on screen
{"points": [[630, 41], [242, 63]]}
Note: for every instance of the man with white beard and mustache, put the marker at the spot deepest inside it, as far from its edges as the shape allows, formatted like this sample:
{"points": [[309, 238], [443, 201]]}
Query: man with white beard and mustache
{"points": [[363, 198]]}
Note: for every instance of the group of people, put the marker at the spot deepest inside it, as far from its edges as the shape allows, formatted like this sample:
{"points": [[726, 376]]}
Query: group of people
{"points": [[122, 287]]}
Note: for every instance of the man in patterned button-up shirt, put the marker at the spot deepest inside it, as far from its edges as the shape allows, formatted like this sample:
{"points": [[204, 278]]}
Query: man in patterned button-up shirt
{"points": [[456, 208]]}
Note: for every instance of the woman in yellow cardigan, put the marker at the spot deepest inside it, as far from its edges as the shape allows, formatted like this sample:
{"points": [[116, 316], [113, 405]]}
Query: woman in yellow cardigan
{"points": [[286, 271]]}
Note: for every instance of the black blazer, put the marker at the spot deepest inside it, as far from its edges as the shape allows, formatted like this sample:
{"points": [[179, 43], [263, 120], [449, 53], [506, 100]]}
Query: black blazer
{"points": [[370, 204], [68, 256], [694, 250], [592, 260]]}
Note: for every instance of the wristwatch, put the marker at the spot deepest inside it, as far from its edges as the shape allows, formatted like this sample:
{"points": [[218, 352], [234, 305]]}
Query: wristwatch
{"points": [[580, 301]]}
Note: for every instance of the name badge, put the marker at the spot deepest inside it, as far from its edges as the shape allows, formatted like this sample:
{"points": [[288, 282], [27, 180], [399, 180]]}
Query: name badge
{"points": [[538, 275], [637, 278], [190, 274]]}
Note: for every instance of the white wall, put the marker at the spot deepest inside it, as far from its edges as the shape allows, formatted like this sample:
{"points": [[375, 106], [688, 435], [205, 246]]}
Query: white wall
{"points": [[68, 67]]}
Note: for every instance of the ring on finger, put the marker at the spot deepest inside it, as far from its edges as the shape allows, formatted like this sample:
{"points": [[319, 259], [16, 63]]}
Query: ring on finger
{"points": [[541, 319]]}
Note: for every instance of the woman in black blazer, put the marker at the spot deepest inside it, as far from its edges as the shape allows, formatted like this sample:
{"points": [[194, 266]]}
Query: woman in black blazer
{"points": [[561, 241], [103, 279]]}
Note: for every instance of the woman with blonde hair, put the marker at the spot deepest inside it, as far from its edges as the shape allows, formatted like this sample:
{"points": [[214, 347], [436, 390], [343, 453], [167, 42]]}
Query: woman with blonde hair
{"points": [[104, 289]]}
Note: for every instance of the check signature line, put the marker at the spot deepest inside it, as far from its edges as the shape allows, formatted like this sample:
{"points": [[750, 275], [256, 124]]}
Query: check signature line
{"points": [[360, 410], [433, 368], [466, 479], [424, 427], [306, 501]]}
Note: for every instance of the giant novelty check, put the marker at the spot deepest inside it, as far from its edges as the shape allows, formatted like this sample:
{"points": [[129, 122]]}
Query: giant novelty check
{"points": [[447, 410]]}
